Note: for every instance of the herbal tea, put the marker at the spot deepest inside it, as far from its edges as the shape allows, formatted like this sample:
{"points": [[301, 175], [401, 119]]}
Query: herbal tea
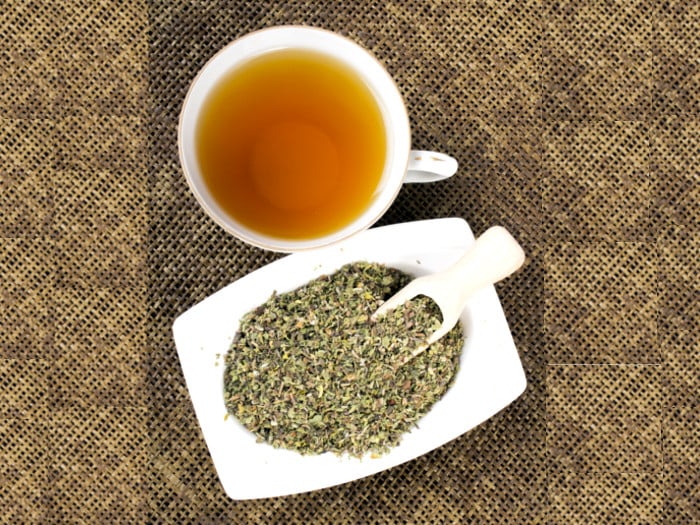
{"points": [[309, 371], [292, 144]]}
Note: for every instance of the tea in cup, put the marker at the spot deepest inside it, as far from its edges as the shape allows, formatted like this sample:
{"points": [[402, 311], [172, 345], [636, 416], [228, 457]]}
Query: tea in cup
{"points": [[294, 138]]}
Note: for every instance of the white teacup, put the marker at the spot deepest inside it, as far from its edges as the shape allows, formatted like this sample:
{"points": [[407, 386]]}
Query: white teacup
{"points": [[401, 163]]}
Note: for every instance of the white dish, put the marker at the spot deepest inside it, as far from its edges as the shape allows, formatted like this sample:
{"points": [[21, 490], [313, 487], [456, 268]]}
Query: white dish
{"points": [[490, 376]]}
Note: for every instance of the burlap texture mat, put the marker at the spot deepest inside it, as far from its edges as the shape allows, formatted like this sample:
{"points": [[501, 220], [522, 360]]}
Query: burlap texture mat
{"points": [[576, 125]]}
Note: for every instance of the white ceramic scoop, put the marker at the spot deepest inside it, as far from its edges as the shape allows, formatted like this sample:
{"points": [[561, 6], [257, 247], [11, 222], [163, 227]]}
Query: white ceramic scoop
{"points": [[492, 257]]}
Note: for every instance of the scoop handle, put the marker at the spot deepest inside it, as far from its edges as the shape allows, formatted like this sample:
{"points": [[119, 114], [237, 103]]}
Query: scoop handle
{"points": [[494, 256]]}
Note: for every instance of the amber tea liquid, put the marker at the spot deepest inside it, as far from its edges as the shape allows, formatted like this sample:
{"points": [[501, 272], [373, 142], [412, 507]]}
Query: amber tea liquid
{"points": [[292, 144]]}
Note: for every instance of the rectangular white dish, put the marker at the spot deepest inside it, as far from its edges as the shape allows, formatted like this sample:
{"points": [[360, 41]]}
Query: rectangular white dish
{"points": [[490, 377]]}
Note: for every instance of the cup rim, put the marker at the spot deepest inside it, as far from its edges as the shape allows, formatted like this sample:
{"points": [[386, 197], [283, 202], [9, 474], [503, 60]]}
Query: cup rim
{"points": [[392, 106]]}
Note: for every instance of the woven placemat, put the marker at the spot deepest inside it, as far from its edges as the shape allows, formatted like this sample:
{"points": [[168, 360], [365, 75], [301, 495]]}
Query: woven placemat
{"points": [[576, 126], [426, 65]]}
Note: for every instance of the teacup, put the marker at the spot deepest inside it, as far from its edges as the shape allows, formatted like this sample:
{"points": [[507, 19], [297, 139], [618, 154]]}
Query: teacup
{"points": [[293, 138]]}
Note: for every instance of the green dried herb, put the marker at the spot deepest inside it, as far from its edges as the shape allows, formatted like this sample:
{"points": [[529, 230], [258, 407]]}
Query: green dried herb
{"points": [[309, 371]]}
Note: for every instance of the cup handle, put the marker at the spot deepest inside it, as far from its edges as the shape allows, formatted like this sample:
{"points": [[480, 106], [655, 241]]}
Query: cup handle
{"points": [[429, 166]]}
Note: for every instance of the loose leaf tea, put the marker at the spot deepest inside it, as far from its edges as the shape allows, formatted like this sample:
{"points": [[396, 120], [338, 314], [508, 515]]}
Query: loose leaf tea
{"points": [[309, 371]]}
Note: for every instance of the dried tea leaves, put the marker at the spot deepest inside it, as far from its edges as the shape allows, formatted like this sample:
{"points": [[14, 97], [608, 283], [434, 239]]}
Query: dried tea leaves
{"points": [[309, 371]]}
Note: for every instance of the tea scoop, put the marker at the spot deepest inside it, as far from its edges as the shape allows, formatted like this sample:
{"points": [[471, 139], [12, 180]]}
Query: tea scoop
{"points": [[492, 257]]}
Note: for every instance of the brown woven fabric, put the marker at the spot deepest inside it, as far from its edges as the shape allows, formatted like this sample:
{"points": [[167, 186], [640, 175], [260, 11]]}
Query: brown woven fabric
{"points": [[576, 125]]}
